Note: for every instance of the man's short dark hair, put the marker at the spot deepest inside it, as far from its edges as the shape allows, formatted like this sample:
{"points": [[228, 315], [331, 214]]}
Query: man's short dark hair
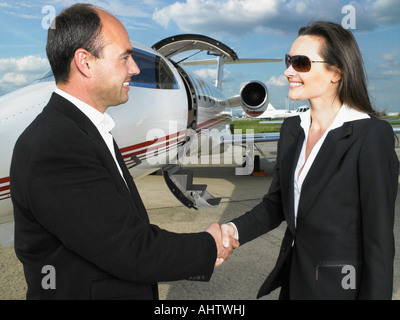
{"points": [[78, 26]]}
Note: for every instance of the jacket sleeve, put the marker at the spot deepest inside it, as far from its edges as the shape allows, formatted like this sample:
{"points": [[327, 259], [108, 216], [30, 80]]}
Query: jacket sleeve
{"points": [[378, 179], [268, 214], [74, 197]]}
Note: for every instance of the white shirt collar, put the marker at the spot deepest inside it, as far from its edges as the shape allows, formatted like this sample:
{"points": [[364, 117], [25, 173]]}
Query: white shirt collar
{"points": [[102, 121], [345, 114]]}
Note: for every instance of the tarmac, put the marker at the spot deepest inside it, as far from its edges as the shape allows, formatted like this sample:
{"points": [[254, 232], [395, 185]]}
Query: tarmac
{"points": [[241, 276]]}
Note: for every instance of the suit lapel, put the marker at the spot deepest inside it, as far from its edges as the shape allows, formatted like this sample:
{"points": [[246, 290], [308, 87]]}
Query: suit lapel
{"points": [[67, 108], [134, 194], [71, 111], [289, 160], [326, 163]]}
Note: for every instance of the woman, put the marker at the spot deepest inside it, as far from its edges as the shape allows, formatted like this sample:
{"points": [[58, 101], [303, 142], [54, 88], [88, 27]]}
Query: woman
{"points": [[335, 179]]}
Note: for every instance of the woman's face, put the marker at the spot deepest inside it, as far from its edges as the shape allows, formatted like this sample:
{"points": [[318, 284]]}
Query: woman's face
{"points": [[319, 83]]}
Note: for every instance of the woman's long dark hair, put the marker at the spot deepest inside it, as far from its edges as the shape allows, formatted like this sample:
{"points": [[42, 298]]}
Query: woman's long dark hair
{"points": [[341, 51]]}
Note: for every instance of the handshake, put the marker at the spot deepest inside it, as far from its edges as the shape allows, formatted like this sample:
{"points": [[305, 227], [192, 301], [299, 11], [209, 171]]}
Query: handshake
{"points": [[225, 237]]}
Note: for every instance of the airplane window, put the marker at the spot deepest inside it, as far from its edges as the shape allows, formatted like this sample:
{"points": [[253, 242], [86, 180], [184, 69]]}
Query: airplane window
{"points": [[154, 72]]}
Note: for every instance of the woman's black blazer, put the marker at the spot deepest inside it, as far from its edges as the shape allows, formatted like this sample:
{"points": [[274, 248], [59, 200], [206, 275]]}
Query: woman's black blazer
{"points": [[342, 246]]}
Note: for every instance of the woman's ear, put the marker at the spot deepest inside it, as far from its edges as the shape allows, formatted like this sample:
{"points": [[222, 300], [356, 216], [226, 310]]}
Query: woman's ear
{"points": [[337, 75], [81, 60]]}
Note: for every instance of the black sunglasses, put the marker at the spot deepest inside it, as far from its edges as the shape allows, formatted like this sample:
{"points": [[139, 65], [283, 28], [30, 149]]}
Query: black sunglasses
{"points": [[300, 63]]}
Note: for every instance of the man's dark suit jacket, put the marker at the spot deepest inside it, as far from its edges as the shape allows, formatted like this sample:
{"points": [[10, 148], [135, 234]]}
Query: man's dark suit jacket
{"points": [[345, 214], [73, 211]]}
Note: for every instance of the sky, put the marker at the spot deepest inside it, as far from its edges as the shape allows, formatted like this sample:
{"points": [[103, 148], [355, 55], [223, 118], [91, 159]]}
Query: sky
{"points": [[253, 28]]}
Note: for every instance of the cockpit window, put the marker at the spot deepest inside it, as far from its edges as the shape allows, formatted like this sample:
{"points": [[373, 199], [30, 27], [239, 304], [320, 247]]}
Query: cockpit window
{"points": [[154, 72]]}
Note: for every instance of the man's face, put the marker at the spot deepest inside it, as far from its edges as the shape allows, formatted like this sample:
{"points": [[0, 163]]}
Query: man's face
{"points": [[114, 68]]}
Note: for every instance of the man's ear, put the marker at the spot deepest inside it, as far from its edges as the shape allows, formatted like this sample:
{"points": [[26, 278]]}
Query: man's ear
{"points": [[81, 60]]}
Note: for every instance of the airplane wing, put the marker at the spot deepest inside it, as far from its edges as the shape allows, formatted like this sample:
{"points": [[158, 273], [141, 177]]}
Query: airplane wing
{"points": [[256, 137], [210, 62]]}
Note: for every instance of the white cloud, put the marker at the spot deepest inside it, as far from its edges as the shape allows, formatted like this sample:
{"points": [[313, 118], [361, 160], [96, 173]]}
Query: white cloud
{"points": [[14, 79], [391, 73], [25, 64], [127, 9], [211, 74], [386, 11], [278, 16], [207, 74], [209, 15], [15, 73], [390, 59], [390, 65], [280, 81], [121, 8]]}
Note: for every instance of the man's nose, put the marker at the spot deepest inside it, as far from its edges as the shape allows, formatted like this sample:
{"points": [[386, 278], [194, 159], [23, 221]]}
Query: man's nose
{"points": [[133, 69]]}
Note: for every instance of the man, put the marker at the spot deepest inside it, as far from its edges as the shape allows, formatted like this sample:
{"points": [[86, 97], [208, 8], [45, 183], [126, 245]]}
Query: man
{"points": [[76, 206]]}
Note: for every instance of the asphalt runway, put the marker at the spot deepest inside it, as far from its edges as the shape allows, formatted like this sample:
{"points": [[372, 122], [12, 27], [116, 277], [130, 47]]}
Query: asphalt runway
{"points": [[240, 277]]}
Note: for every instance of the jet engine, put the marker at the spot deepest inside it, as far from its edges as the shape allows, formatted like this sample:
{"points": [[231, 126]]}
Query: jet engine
{"points": [[254, 98]]}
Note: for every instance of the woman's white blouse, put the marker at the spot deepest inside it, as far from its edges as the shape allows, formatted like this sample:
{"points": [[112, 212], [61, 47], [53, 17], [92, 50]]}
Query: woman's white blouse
{"points": [[345, 114]]}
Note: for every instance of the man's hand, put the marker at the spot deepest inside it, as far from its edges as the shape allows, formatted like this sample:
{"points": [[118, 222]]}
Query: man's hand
{"points": [[228, 232], [223, 250]]}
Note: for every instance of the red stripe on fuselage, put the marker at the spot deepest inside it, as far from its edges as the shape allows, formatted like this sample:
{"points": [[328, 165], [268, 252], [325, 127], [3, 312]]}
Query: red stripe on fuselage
{"points": [[170, 141]]}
